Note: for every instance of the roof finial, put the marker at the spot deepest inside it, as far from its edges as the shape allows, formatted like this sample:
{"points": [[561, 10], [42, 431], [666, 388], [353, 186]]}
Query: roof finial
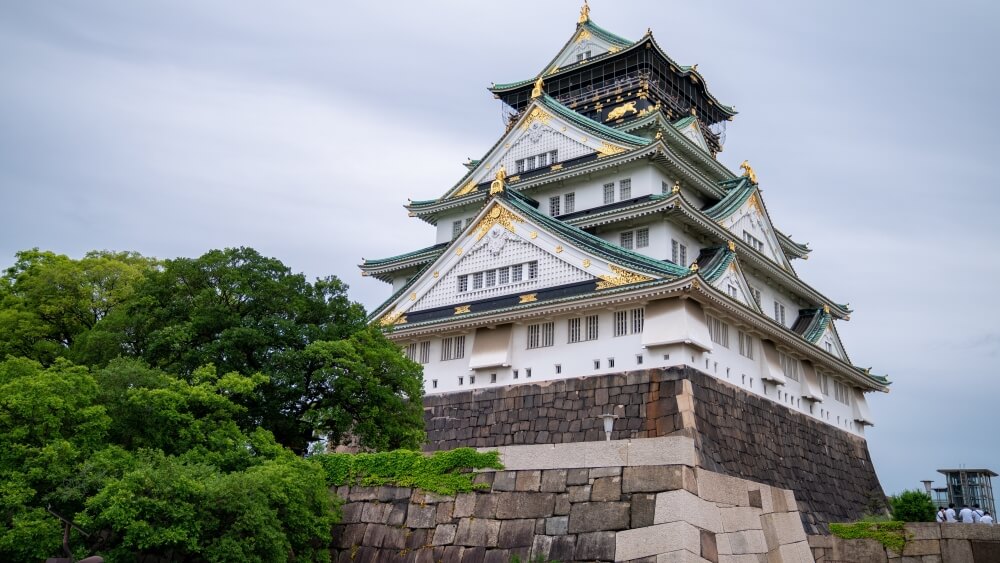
{"points": [[748, 171], [539, 88], [732, 246], [498, 184], [677, 187], [694, 266], [826, 309], [584, 12]]}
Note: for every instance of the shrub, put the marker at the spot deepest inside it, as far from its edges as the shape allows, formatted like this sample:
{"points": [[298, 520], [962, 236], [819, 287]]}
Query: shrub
{"points": [[912, 506]]}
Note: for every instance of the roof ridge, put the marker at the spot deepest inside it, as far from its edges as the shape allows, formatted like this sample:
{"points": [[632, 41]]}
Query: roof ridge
{"points": [[598, 127]]}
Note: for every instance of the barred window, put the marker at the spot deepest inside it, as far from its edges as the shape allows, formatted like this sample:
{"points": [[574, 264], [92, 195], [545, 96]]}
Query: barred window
{"points": [[753, 241], [532, 270], [543, 159], [609, 193], [569, 203], [520, 165], [779, 312], [678, 253], [553, 157], [463, 283], [411, 352], [638, 320], [425, 352], [841, 392], [529, 163], [719, 331], [625, 189], [491, 278], [642, 238], [515, 272], [755, 293], [452, 348], [468, 221], [573, 327], [789, 365], [824, 383], [554, 206], [621, 323], [732, 291], [592, 327], [663, 187], [541, 335], [746, 345], [456, 229], [477, 280], [504, 276], [626, 239]]}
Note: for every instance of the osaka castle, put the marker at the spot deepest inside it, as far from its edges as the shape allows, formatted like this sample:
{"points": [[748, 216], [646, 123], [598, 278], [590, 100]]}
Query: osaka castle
{"points": [[600, 234]]}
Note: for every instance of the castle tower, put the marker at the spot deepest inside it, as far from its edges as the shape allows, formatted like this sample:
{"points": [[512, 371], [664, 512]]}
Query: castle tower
{"points": [[600, 235]]}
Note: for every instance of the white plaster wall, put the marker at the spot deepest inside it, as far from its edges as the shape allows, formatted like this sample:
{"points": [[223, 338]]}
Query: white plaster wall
{"points": [[577, 360]]}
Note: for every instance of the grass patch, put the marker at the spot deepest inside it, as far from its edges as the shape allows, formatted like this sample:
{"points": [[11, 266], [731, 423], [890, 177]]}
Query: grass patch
{"points": [[445, 473], [890, 534]]}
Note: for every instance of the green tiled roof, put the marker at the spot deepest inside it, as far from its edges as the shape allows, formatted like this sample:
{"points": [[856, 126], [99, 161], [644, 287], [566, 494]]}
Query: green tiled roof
{"points": [[684, 121], [595, 127], [406, 287], [429, 251], [715, 265], [606, 35], [739, 189]]}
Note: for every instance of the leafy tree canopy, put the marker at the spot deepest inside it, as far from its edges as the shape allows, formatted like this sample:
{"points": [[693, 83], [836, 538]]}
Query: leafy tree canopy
{"points": [[912, 506]]}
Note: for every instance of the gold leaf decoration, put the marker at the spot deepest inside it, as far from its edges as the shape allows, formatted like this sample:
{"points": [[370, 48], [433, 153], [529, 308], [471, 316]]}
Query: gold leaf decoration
{"points": [[529, 298], [537, 114], [621, 277], [586, 262], [608, 149], [497, 216], [462, 309], [392, 318], [468, 188]]}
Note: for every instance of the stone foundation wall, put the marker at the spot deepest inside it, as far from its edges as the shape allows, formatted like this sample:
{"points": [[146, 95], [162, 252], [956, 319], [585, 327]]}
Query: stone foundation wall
{"points": [[926, 543], [735, 432], [602, 501]]}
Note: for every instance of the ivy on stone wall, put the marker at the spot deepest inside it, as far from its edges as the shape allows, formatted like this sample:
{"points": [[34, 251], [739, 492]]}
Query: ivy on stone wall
{"points": [[445, 472], [890, 534]]}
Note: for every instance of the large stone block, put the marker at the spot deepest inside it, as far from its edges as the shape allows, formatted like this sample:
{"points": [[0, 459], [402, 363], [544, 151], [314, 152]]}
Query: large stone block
{"points": [[669, 450], [923, 530], [397, 513], [486, 506], [477, 532], [445, 511], [529, 480], [970, 532], [595, 546], [525, 505], [643, 510], [797, 552], [680, 556], [682, 506], [557, 526], [541, 545], [553, 481], [598, 516], [465, 503], [782, 528], [654, 479], [709, 546], [516, 533], [374, 512], [579, 476], [421, 516], [716, 487], [599, 472], [983, 551], [351, 512], [745, 558], [606, 489], [738, 518], [747, 541], [504, 480], [957, 550], [578, 493], [657, 539], [859, 550], [349, 535], [444, 534], [563, 548]]}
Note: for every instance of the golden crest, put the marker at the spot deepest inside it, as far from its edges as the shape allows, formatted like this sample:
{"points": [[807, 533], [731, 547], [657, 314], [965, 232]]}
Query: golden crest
{"points": [[462, 310], [497, 216], [621, 277], [529, 298], [537, 114], [608, 149]]}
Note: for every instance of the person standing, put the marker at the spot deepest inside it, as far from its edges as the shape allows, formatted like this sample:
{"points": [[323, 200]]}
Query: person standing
{"points": [[965, 515], [941, 516], [986, 519], [976, 513], [950, 514]]}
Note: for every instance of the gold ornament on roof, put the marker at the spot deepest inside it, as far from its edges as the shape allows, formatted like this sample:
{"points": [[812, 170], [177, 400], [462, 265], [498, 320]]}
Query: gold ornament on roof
{"points": [[529, 298], [462, 310], [539, 88], [622, 111], [584, 35], [608, 149], [694, 266], [826, 309], [497, 185], [393, 317], [497, 216], [748, 171], [659, 135], [468, 188], [621, 277], [732, 246], [677, 187], [537, 114], [584, 13]]}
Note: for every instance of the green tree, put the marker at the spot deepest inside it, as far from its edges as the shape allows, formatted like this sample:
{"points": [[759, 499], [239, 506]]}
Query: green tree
{"points": [[912, 506]]}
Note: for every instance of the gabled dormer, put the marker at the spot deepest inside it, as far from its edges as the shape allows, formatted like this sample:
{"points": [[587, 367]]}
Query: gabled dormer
{"points": [[720, 267], [691, 128], [742, 213]]}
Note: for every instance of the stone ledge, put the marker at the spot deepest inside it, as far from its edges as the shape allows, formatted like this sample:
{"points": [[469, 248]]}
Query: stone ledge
{"points": [[670, 450]]}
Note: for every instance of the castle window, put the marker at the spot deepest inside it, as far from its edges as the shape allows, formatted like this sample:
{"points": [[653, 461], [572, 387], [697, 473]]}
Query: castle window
{"points": [[626, 239], [493, 378], [425, 352], [678, 253], [779, 312], [753, 241], [468, 221], [664, 188], [503, 276], [732, 292], [411, 352], [824, 383], [477, 280], [718, 330], [597, 364], [611, 362], [532, 270], [519, 165], [581, 329], [529, 163], [527, 372], [543, 159], [553, 157], [789, 365], [638, 359], [541, 335], [472, 380], [569, 202], [592, 327], [491, 278], [841, 392], [625, 189], [609, 193], [755, 293], [456, 229], [638, 320], [746, 345], [642, 238], [558, 368], [515, 273], [554, 206], [461, 380], [434, 383], [463, 283], [515, 374], [621, 323], [574, 330], [452, 348]]}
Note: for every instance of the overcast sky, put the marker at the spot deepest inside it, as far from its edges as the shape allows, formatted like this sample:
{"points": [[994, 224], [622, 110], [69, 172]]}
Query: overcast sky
{"points": [[300, 129]]}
